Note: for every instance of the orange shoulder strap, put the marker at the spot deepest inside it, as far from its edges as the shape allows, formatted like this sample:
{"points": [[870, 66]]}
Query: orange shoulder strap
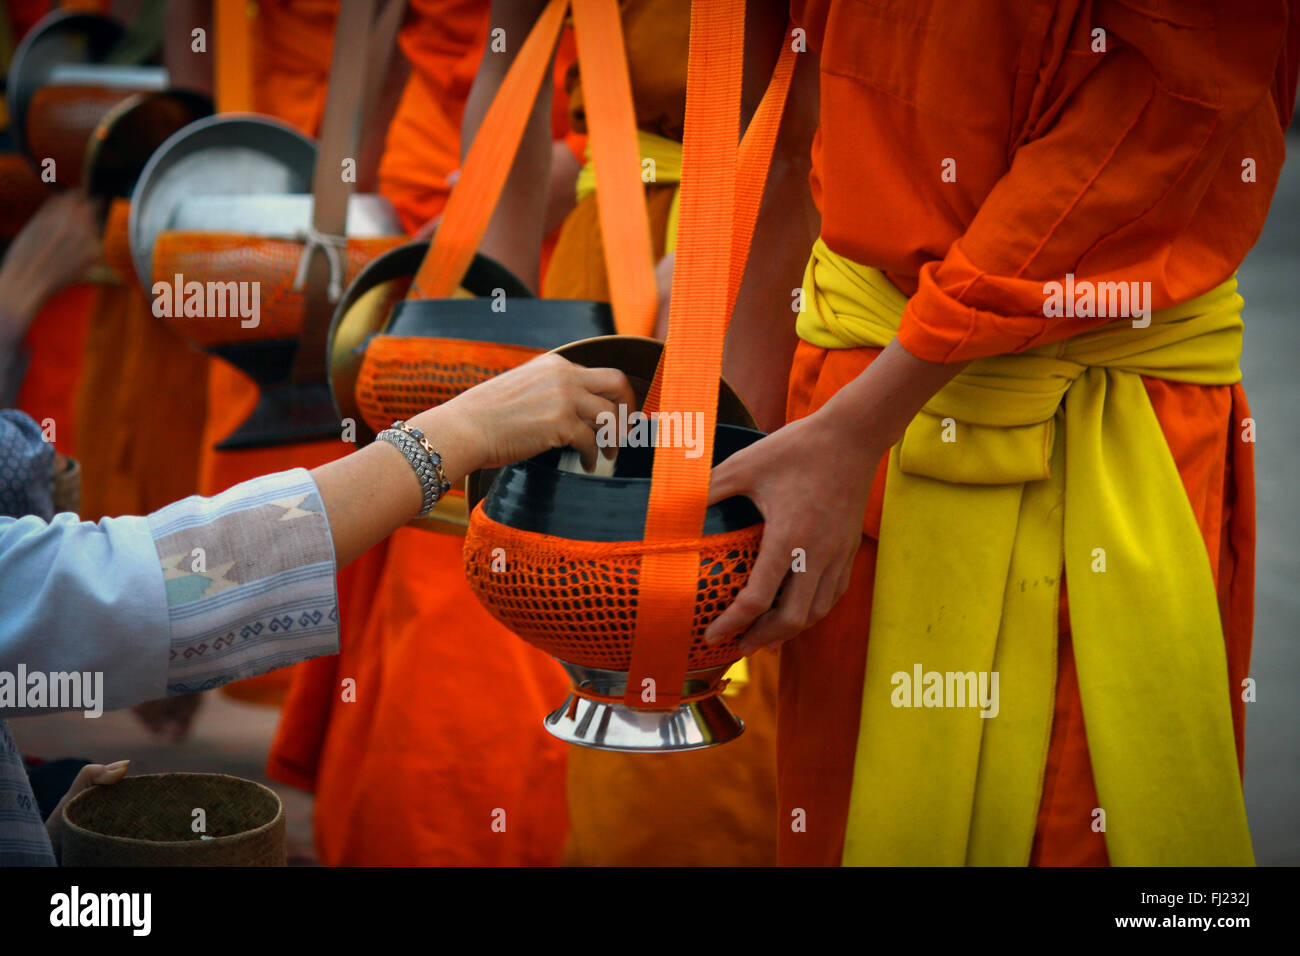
{"points": [[624, 223], [722, 186], [752, 163]]}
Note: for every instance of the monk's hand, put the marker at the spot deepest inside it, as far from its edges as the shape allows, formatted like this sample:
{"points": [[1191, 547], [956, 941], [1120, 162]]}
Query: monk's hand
{"points": [[93, 774], [811, 482], [548, 402]]}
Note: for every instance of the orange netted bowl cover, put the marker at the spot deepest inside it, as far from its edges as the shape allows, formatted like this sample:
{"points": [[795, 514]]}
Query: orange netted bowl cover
{"points": [[401, 375], [272, 263], [60, 122], [577, 600]]}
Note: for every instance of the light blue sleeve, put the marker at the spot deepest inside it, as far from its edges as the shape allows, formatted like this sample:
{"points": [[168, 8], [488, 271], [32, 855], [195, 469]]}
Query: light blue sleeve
{"points": [[200, 593], [78, 596]]}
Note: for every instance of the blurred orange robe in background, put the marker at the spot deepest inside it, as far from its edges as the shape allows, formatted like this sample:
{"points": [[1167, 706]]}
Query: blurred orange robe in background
{"points": [[1066, 161], [439, 756]]}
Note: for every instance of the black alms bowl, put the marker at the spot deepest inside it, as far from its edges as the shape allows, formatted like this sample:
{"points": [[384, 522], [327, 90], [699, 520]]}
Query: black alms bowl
{"points": [[533, 323], [535, 495]]}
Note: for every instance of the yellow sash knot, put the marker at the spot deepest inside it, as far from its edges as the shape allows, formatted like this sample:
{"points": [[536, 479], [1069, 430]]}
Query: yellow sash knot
{"points": [[975, 529]]}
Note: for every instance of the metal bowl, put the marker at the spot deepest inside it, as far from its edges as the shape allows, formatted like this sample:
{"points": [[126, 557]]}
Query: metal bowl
{"points": [[225, 155], [59, 39], [535, 495], [637, 357]]}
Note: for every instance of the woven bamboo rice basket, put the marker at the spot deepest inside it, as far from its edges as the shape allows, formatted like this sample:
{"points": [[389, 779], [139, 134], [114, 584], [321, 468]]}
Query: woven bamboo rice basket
{"points": [[149, 821]]}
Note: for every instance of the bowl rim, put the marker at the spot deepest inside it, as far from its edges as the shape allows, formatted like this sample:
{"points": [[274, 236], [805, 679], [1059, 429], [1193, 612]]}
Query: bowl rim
{"points": [[567, 475], [214, 841]]}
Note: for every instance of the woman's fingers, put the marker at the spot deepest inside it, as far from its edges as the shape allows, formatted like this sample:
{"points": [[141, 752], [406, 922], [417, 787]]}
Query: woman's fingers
{"points": [[609, 383], [583, 438], [590, 409]]}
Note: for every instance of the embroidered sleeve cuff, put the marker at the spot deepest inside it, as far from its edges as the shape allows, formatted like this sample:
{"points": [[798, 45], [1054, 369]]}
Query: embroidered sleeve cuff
{"points": [[250, 580]]}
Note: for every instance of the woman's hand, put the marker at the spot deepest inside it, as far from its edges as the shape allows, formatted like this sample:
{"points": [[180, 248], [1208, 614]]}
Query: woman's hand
{"points": [[52, 251], [93, 774], [545, 403], [811, 484]]}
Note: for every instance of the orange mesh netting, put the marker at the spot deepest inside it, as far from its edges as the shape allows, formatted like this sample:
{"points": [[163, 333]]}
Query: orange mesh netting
{"points": [[223, 257], [577, 600], [23, 193], [60, 121], [401, 376], [117, 240]]}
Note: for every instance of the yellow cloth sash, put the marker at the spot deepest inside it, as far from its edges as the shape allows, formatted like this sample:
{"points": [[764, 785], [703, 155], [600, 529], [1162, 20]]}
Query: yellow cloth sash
{"points": [[976, 525], [667, 156]]}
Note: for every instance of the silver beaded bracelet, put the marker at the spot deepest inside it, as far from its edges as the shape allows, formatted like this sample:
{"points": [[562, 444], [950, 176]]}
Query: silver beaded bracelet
{"points": [[421, 456]]}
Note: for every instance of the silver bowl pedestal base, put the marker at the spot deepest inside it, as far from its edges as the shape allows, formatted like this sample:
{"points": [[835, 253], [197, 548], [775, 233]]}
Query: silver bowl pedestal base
{"points": [[696, 725]]}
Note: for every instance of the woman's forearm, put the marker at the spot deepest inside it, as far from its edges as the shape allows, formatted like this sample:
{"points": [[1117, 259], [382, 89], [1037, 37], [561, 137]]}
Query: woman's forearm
{"points": [[372, 492]]}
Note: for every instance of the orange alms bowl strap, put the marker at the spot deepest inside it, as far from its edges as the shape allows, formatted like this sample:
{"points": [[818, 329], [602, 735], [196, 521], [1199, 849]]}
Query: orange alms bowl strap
{"points": [[697, 324], [487, 167], [611, 121], [751, 176], [232, 29]]}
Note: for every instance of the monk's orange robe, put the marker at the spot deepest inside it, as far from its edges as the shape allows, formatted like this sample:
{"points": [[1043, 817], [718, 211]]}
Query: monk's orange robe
{"points": [[1126, 163], [712, 807], [55, 343], [436, 754]]}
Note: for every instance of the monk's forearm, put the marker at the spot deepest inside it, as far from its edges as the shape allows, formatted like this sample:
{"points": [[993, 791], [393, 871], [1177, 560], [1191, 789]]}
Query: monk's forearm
{"points": [[881, 402], [515, 233], [187, 70], [761, 338]]}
